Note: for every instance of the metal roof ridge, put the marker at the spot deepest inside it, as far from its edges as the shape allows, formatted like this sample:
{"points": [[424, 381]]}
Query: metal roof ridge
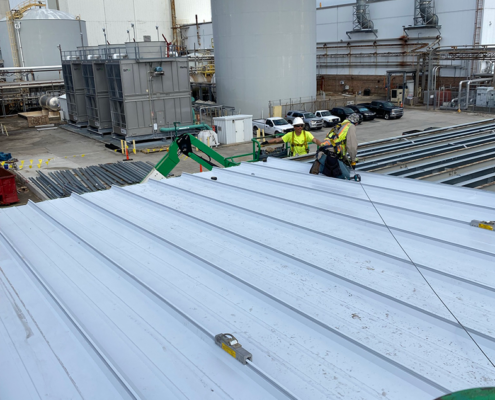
{"points": [[411, 181]]}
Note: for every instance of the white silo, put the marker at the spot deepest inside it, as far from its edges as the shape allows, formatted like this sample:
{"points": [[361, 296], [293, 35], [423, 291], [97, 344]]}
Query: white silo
{"points": [[38, 34], [264, 50]]}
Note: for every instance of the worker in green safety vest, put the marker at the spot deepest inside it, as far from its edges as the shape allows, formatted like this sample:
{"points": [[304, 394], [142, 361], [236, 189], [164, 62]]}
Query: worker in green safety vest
{"points": [[338, 151], [299, 139]]}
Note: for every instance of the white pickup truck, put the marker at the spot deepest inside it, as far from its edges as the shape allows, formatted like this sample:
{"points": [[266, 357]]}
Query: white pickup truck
{"points": [[271, 126], [330, 120]]}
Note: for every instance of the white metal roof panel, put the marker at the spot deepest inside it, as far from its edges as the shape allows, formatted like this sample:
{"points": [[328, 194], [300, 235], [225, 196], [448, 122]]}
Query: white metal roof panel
{"points": [[117, 294]]}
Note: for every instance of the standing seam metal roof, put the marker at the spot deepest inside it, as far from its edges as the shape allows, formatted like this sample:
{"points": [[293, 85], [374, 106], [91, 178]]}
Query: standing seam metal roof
{"points": [[118, 294]]}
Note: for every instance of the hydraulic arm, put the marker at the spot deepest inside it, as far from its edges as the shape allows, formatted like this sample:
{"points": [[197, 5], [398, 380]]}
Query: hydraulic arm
{"points": [[185, 144]]}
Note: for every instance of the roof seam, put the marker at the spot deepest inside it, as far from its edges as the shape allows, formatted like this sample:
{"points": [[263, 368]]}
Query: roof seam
{"points": [[106, 361], [318, 324], [300, 261], [384, 188]]}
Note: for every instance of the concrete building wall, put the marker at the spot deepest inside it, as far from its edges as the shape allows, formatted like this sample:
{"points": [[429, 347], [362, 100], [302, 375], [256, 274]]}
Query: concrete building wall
{"points": [[186, 11], [4, 7], [335, 18], [116, 16], [190, 36]]}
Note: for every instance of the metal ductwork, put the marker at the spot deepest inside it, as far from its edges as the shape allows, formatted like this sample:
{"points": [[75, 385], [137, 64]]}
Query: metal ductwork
{"points": [[362, 15], [425, 13]]}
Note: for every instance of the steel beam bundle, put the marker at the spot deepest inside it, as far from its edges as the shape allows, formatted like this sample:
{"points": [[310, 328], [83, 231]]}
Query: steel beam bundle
{"points": [[60, 184], [460, 156]]}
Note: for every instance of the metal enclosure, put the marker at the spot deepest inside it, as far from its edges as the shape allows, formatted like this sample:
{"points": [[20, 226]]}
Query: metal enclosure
{"points": [[75, 88], [234, 128], [96, 90], [264, 50], [148, 91], [482, 96], [40, 32]]}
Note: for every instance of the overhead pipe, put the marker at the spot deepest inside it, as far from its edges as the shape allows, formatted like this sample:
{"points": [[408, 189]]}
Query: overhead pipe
{"points": [[379, 40]]}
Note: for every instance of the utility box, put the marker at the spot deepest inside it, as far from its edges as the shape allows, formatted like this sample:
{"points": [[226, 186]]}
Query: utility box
{"points": [[397, 95], [490, 99], [234, 128], [481, 96]]}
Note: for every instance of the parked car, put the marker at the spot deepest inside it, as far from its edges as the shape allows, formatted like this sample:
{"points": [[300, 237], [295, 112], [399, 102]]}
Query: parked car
{"points": [[328, 118], [367, 114], [272, 126], [344, 112], [384, 109], [311, 121]]}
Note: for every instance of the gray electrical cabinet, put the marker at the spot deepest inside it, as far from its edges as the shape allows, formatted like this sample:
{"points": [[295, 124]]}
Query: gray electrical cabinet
{"points": [[148, 90], [482, 96], [74, 86]]}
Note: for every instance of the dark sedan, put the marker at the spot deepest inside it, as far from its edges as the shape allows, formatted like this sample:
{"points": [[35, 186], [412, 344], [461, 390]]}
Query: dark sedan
{"points": [[367, 114]]}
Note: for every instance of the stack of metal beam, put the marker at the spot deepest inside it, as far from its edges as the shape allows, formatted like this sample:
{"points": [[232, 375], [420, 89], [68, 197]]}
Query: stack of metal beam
{"points": [[462, 155], [60, 184]]}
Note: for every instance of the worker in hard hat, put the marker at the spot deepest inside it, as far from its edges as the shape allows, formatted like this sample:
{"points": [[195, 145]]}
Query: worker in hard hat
{"points": [[337, 155], [298, 139]]}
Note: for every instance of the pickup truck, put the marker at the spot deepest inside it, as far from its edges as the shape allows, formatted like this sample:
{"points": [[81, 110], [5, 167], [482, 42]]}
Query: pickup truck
{"points": [[272, 126], [311, 121], [384, 109], [328, 118]]}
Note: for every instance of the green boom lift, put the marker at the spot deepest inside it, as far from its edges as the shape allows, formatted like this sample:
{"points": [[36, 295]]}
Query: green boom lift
{"points": [[184, 144]]}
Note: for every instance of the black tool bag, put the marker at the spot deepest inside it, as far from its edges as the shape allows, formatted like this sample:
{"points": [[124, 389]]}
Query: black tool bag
{"points": [[331, 167]]}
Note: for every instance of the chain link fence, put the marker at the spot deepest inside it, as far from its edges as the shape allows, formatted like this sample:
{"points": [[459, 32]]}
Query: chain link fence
{"points": [[311, 104]]}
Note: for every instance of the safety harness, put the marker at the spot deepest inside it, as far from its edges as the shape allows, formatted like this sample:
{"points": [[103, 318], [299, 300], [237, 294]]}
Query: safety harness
{"points": [[293, 145]]}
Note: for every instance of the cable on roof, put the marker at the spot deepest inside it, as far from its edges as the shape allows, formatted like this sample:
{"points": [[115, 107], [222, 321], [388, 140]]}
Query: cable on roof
{"points": [[426, 280]]}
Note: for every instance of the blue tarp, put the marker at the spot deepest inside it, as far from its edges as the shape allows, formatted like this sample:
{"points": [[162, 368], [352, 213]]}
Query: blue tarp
{"points": [[5, 156]]}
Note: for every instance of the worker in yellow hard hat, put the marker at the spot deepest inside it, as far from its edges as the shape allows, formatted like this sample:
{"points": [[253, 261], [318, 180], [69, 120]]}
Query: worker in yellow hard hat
{"points": [[298, 139]]}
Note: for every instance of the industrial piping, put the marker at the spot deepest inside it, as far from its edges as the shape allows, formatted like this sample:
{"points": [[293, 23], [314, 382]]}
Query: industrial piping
{"points": [[467, 93], [361, 15]]}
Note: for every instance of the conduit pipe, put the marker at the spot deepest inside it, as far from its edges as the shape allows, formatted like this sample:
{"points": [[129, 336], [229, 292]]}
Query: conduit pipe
{"points": [[467, 93]]}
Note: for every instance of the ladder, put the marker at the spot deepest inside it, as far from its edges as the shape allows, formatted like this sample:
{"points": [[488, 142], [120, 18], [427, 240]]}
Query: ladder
{"points": [[478, 22]]}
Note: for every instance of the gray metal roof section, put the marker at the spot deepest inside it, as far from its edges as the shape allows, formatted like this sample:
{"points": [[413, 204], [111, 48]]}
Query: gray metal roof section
{"points": [[461, 155], [118, 294]]}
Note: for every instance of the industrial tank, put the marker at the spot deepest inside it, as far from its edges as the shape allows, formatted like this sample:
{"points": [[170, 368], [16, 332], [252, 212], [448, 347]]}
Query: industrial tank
{"points": [[39, 33], [264, 50]]}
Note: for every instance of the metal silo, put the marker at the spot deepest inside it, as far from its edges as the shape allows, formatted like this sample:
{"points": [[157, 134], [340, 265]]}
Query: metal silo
{"points": [[37, 36], [264, 50]]}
